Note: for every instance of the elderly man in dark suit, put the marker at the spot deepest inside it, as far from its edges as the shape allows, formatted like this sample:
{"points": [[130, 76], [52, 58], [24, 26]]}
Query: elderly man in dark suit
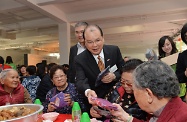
{"points": [[76, 49], [87, 62]]}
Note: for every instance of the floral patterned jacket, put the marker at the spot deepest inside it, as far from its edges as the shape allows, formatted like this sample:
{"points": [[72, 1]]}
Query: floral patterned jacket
{"points": [[31, 84], [70, 89]]}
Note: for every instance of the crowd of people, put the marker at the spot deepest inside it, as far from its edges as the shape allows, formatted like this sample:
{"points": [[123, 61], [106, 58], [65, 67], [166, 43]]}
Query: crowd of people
{"points": [[140, 90]]}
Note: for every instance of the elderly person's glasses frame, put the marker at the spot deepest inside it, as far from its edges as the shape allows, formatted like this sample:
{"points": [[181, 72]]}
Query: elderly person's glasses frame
{"points": [[125, 82], [59, 77]]}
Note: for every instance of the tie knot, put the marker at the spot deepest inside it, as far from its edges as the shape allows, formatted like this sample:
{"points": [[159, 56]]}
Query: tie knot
{"points": [[99, 57]]}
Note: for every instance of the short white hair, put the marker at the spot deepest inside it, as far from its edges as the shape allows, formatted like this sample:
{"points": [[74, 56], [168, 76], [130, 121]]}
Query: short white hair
{"points": [[4, 72]]}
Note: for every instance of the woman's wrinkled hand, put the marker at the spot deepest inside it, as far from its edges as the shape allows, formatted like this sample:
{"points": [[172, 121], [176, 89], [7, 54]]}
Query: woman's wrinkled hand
{"points": [[94, 113], [51, 107], [67, 98], [119, 115]]}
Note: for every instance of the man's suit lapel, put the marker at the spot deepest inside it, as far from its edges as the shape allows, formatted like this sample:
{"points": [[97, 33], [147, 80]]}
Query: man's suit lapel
{"points": [[92, 63], [75, 50], [107, 56]]}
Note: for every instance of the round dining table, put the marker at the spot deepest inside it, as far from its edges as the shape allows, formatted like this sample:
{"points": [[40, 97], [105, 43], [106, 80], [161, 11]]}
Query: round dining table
{"points": [[60, 118], [63, 117]]}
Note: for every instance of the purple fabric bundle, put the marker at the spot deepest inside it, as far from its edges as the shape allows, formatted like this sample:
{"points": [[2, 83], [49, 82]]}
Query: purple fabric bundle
{"points": [[58, 100], [104, 103]]}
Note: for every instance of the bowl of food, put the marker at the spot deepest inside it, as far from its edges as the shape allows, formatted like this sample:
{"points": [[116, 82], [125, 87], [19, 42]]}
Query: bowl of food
{"points": [[20, 112], [50, 116]]}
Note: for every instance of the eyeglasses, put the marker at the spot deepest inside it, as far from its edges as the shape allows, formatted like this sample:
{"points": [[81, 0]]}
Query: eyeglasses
{"points": [[57, 77], [123, 81], [92, 42]]}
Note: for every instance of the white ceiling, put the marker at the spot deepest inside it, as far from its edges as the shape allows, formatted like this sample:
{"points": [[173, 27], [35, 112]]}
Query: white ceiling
{"points": [[133, 25]]}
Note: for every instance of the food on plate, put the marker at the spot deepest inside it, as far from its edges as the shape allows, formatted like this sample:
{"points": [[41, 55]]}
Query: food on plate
{"points": [[14, 112]]}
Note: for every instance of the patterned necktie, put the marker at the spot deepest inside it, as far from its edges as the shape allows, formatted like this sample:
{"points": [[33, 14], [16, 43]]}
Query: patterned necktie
{"points": [[100, 63]]}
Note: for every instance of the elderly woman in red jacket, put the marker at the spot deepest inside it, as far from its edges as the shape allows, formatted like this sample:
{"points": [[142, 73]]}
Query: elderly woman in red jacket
{"points": [[11, 91]]}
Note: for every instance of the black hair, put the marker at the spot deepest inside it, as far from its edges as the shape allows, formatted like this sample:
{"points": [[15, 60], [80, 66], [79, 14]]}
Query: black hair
{"points": [[161, 44], [55, 68], [31, 69], [130, 65], [22, 66], [9, 60], [19, 69], [183, 33], [41, 70], [49, 66], [2, 60], [66, 65]]}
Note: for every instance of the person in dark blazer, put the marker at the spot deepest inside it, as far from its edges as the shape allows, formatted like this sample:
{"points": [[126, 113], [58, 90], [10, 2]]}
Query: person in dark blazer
{"points": [[45, 85], [76, 49], [87, 68], [181, 68]]}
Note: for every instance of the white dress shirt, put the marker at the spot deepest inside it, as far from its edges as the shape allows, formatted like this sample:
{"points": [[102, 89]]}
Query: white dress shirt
{"points": [[80, 48]]}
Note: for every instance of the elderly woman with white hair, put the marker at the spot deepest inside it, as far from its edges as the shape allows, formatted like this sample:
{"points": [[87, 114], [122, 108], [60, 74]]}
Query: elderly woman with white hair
{"points": [[156, 90], [11, 91]]}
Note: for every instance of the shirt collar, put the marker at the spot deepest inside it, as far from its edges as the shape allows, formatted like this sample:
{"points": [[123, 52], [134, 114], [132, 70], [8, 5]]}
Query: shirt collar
{"points": [[101, 55], [158, 112], [79, 45]]}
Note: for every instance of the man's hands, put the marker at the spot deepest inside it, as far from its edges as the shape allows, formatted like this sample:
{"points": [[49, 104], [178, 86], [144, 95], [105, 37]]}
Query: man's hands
{"points": [[108, 78], [90, 94]]}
